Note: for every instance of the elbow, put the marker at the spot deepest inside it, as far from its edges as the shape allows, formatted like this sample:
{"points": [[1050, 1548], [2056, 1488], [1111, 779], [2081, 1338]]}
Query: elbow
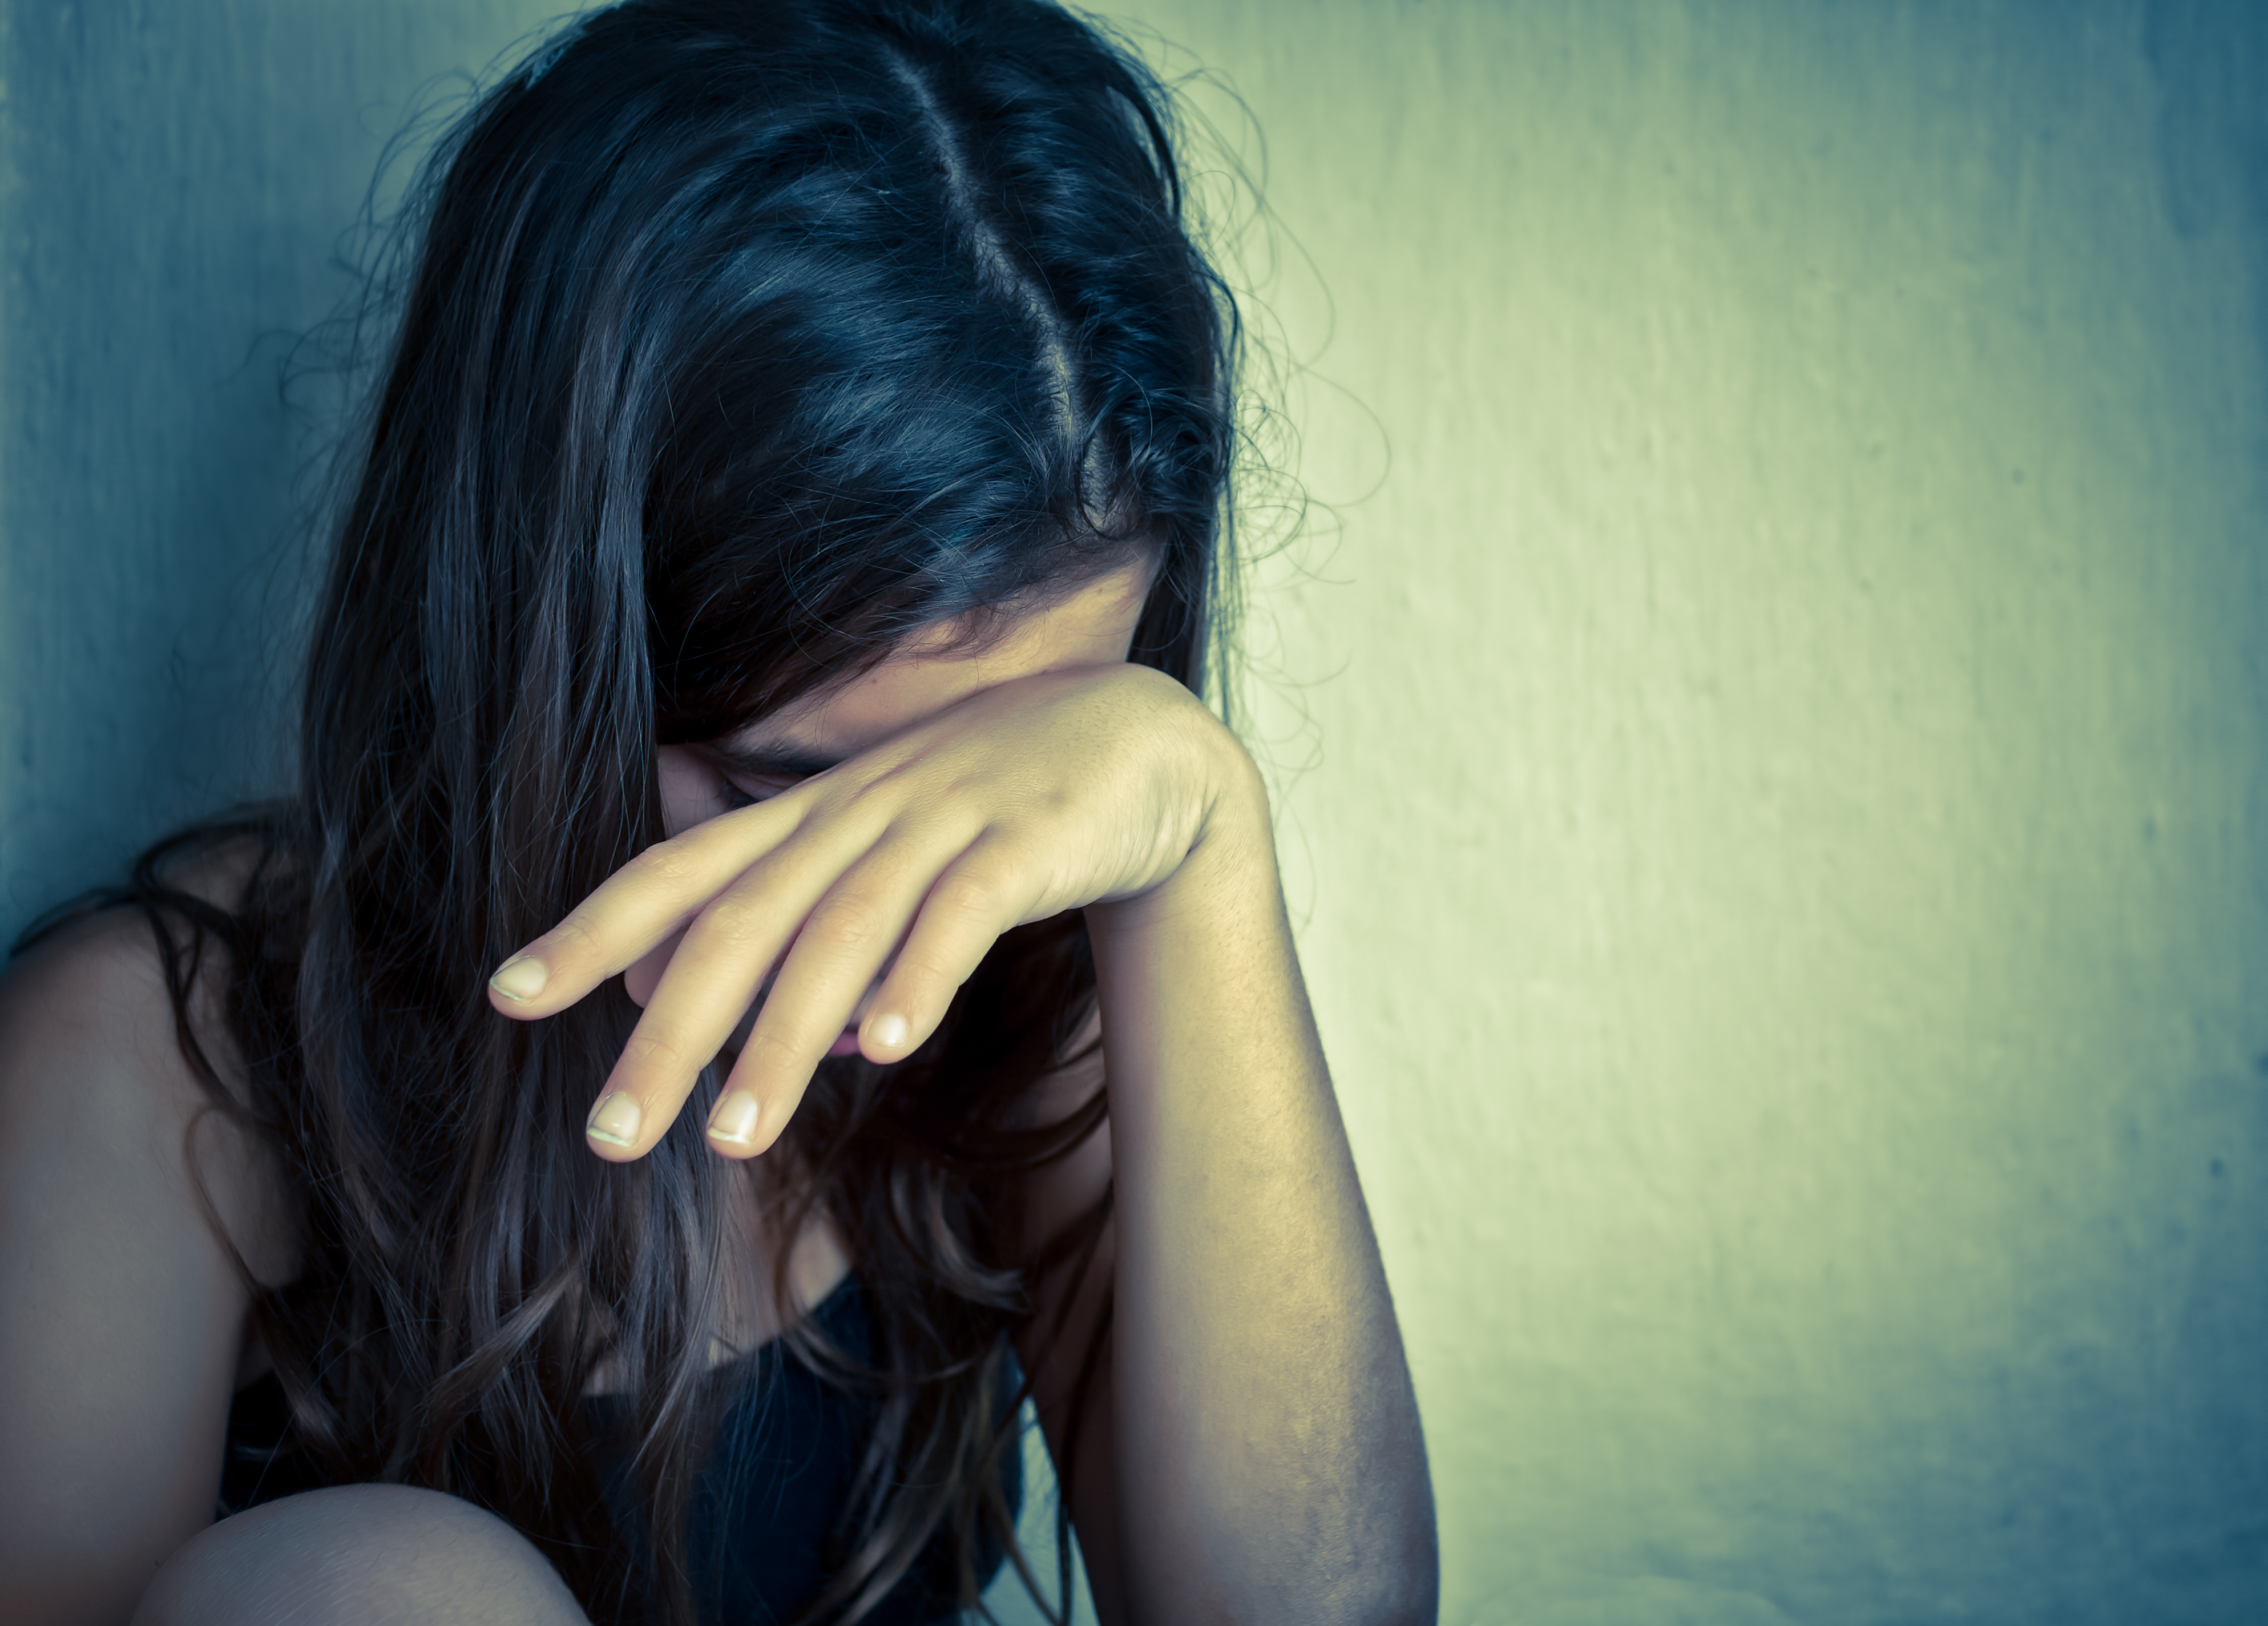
{"points": [[1404, 1592], [1393, 1578]]}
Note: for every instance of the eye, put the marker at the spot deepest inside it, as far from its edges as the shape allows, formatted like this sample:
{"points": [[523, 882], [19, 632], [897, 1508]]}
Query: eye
{"points": [[735, 797]]}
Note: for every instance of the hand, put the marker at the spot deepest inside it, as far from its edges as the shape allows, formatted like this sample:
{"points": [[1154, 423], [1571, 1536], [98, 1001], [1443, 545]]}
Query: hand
{"points": [[907, 862]]}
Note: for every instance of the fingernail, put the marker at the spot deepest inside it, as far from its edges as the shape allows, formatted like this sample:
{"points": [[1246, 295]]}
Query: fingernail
{"points": [[520, 979], [889, 1031], [614, 1120], [735, 1120]]}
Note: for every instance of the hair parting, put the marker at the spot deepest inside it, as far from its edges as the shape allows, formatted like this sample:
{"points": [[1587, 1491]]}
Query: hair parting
{"points": [[742, 341]]}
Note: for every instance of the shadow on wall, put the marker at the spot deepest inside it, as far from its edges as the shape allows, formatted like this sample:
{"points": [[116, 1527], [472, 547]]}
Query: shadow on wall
{"points": [[2210, 58]]}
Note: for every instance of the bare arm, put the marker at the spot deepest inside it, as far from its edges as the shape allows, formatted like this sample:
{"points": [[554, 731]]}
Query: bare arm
{"points": [[1263, 1459], [120, 1315], [1266, 1457]]}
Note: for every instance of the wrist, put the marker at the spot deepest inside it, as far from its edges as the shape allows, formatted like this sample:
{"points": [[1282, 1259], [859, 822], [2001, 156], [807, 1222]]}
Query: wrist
{"points": [[1229, 869], [1237, 810]]}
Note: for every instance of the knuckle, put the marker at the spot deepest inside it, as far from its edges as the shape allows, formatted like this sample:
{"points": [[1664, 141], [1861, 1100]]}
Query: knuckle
{"points": [[931, 969], [734, 921], [668, 863], [657, 1049], [772, 1050], [847, 925], [576, 936], [972, 896]]}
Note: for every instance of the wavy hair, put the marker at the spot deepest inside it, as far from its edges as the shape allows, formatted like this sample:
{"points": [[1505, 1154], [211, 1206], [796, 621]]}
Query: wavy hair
{"points": [[743, 340]]}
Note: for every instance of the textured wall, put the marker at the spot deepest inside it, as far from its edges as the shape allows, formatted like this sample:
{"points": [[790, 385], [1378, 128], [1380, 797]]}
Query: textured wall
{"points": [[1770, 704], [1787, 855], [177, 182]]}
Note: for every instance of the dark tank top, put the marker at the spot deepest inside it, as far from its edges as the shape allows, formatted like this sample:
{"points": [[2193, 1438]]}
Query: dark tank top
{"points": [[766, 1500]]}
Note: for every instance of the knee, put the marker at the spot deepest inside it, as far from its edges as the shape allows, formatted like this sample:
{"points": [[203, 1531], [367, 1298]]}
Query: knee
{"points": [[359, 1556]]}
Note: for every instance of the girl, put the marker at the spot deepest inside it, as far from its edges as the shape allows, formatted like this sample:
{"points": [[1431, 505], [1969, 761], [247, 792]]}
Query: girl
{"points": [[765, 633]]}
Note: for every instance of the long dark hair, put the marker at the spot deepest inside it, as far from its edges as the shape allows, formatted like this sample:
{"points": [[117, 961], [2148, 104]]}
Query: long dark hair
{"points": [[744, 339]]}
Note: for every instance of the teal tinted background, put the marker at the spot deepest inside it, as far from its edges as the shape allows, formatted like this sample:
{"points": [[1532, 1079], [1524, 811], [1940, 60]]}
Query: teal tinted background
{"points": [[1769, 711]]}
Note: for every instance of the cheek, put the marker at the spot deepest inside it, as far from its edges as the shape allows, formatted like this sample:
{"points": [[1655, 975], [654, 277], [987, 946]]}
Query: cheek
{"points": [[688, 790]]}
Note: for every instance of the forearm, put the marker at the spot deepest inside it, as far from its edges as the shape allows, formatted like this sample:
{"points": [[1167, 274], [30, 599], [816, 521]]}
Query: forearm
{"points": [[1270, 1462]]}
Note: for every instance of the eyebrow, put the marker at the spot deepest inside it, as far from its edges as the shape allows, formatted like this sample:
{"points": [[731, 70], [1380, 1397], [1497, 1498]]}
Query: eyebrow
{"points": [[758, 762]]}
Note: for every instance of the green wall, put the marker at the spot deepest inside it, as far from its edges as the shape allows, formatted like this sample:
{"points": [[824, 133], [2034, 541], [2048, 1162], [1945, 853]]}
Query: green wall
{"points": [[1768, 700]]}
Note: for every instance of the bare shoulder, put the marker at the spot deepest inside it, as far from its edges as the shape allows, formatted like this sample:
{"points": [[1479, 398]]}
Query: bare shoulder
{"points": [[94, 1076], [121, 1310]]}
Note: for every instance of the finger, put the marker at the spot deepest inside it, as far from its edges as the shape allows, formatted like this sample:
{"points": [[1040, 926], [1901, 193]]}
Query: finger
{"points": [[980, 895], [736, 942], [650, 898], [730, 949], [850, 935], [642, 979]]}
